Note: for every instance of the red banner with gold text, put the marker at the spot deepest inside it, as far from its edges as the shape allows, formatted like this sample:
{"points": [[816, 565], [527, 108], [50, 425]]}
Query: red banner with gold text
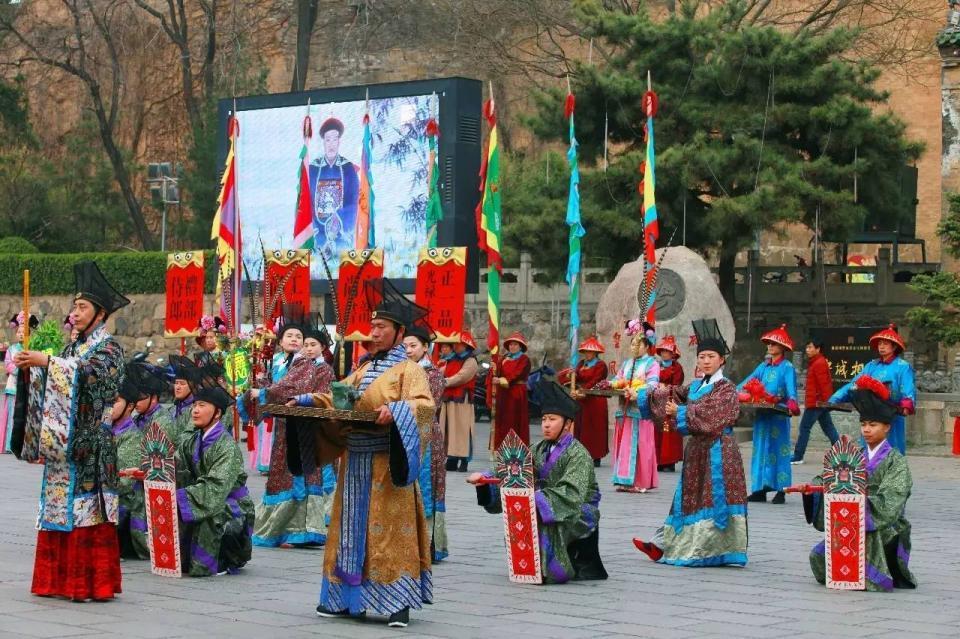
{"points": [[286, 284], [185, 280], [441, 288], [354, 306]]}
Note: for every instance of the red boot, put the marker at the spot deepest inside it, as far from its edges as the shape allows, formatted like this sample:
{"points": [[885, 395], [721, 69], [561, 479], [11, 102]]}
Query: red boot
{"points": [[650, 550]]}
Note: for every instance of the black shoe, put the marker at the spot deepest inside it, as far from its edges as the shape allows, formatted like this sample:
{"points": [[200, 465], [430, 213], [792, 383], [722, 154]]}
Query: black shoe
{"points": [[758, 496], [400, 619], [462, 468], [779, 498], [452, 463], [596, 463], [331, 614], [670, 468]]}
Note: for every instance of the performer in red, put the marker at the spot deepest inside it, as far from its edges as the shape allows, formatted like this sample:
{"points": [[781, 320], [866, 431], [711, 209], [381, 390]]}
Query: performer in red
{"points": [[668, 441], [592, 422], [512, 410]]}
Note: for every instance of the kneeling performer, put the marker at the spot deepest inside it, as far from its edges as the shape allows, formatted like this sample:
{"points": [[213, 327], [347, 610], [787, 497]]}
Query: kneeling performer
{"points": [[216, 512], [567, 496]]}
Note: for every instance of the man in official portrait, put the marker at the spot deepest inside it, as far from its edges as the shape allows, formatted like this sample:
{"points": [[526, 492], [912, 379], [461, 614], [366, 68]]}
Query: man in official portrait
{"points": [[335, 189]]}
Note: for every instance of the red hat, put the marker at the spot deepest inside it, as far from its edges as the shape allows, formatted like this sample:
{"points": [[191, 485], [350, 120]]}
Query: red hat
{"points": [[331, 124], [517, 337], [668, 343], [592, 344], [891, 335], [778, 336], [467, 340]]}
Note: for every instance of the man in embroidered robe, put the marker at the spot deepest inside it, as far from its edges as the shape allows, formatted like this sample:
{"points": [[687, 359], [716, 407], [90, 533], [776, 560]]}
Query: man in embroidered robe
{"points": [[567, 494], [377, 556], [888, 487], [335, 188], [78, 555], [216, 512]]}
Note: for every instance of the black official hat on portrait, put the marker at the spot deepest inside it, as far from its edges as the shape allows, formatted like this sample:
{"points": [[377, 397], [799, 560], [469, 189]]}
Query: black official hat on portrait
{"points": [[213, 395], [709, 337], [390, 304], [555, 400], [91, 285]]}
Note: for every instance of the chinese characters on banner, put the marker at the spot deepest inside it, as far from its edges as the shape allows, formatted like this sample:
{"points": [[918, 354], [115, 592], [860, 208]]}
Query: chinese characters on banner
{"points": [[441, 287], [847, 348], [286, 284], [354, 305], [185, 279]]}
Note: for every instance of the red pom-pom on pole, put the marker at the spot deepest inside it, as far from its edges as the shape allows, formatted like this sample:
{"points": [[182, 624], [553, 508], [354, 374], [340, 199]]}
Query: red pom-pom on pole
{"points": [[569, 105], [432, 129]]}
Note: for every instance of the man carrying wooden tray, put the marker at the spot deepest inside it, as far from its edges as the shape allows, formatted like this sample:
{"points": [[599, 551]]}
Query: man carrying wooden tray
{"points": [[377, 556]]}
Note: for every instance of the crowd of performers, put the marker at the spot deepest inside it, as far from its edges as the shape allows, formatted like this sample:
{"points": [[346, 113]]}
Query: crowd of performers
{"points": [[375, 498]]}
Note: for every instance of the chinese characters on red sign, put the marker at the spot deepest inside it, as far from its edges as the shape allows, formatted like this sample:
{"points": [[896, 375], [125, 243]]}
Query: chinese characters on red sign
{"points": [[184, 303]]}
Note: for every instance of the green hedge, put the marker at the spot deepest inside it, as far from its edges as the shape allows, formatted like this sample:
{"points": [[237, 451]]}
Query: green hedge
{"points": [[130, 273], [14, 244]]}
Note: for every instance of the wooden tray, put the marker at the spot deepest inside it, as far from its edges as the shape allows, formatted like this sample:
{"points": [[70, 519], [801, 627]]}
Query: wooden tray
{"points": [[333, 414], [843, 408], [776, 408], [604, 392]]}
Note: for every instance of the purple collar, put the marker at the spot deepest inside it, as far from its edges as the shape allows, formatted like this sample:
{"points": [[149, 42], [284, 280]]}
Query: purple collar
{"points": [[122, 426], [179, 407], [558, 450], [206, 440], [143, 420], [878, 457]]}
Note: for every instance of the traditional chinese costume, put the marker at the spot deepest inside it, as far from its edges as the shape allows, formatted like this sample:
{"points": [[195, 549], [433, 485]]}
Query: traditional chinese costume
{"points": [[214, 505], [513, 412], [899, 376], [67, 426], [772, 450], [295, 506], [889, 484], [567, 499], [377, 556], [707, 524], [634, 451]]}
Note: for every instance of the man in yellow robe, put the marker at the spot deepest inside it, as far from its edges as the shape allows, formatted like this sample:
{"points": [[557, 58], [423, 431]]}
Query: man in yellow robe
{"points": [[377, 556]]}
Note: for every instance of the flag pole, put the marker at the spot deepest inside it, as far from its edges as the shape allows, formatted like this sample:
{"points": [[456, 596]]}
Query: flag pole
{"points": [[26, 309], [495, 350], [235, 293]]}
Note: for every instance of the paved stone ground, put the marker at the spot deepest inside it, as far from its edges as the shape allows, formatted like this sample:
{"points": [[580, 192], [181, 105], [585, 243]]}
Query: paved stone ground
{"points": [[275, 596]]}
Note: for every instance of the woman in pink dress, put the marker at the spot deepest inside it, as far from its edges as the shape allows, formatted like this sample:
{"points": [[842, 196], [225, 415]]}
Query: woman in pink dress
{"points": [[634, 448]]}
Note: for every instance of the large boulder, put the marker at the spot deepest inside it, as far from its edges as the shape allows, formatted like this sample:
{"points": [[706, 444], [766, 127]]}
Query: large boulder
{"points": [[686, 291]]}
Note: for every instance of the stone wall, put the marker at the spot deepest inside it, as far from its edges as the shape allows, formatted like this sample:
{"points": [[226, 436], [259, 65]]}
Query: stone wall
{"points": [[134, 325]]}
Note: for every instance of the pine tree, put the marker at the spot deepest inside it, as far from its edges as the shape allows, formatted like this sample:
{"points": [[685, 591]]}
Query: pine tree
{"points": [[756, 127]]}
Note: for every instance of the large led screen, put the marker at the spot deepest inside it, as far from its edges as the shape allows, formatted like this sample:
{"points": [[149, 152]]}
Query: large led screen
{"points": [[268, 157]]}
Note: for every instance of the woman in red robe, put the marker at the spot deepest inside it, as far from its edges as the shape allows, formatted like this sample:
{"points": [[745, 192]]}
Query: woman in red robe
{"points": [[512, 410], [592, 423], [668, 441]]}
